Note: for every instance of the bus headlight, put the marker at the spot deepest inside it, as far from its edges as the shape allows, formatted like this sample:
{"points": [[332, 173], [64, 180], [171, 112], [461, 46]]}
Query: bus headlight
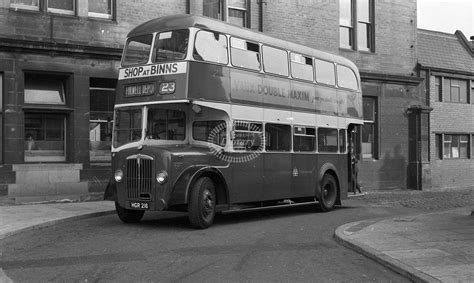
{"points": [[118, 175], [162, 177]]}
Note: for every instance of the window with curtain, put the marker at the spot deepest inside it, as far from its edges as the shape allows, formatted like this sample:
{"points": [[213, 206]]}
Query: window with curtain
{"points": [[455, 146]]}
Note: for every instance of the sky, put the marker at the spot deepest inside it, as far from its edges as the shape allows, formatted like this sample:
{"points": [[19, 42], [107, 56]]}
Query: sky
{"points": [[447, 16]]}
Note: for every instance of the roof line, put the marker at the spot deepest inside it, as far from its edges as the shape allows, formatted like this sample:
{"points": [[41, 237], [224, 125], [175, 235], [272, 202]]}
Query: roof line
{"points": [[465, 43]]}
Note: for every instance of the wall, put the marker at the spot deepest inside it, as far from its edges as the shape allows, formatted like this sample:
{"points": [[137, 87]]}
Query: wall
{"points": [[389, 167], [395, 40], [450, 118], [41, 26]]}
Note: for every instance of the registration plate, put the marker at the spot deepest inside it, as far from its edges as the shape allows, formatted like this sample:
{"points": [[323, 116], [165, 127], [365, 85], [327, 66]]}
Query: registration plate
{"points": [[139, 205], [139, 90]]}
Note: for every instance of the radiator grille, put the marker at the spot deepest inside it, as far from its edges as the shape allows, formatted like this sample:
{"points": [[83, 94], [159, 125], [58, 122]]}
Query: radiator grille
{"points": [[139, 176]]}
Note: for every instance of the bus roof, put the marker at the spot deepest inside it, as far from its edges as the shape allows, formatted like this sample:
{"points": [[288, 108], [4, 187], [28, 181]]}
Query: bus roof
{"points": [[183, 21]]}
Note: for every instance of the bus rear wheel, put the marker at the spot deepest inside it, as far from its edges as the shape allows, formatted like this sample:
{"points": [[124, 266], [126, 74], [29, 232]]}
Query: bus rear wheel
{"points": [[128, 215], [202, 203], [328, 197]]}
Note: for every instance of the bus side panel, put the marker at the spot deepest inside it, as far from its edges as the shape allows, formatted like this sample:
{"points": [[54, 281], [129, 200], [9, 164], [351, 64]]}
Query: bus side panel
{"points": [[247, 178], [277, 172], [304, 174], [208, 82]]}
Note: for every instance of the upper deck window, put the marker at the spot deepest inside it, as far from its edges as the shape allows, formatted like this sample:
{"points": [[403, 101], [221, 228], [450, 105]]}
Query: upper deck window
{"points": [[137, 50], [211, 47], [245, 54], [171, 45], [346, 78], [325, 72], [301, 67], [275, 61]]}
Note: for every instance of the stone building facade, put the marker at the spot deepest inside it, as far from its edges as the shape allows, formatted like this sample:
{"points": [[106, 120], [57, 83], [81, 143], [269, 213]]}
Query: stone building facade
{"points": [[69, 51]]}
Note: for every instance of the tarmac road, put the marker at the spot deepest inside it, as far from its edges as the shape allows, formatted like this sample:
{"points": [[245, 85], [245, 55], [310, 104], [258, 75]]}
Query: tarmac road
{"points": [[286, 244]]}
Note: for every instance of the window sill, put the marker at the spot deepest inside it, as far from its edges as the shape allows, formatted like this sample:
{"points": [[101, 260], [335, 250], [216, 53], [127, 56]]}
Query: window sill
{"points": [[347, 49], [47, 108], [368, 52], [369, 159], [101, 19], [26, 9], [453, 102]]}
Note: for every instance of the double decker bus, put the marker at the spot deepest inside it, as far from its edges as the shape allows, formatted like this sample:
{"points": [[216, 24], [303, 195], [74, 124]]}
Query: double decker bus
{"points": [[211, 117]]}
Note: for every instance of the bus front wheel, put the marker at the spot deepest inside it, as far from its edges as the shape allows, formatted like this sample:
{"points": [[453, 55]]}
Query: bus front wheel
{"points": [[328, 197], [128, 215], [202, 203]]}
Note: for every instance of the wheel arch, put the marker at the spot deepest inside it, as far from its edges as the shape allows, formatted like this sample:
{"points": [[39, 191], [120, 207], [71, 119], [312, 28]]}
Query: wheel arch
{"points": [[216, 176], [329, 168]]}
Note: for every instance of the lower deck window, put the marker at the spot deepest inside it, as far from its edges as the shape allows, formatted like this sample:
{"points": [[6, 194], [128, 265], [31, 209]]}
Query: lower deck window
{"points": [[277, 137], [210, 131], [327, 140], [247, 135], [304, 139]]}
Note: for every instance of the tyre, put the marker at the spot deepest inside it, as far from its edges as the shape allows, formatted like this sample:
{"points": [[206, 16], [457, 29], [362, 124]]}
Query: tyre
{"points": [[128, 215], [202, 203], [328, 197]]}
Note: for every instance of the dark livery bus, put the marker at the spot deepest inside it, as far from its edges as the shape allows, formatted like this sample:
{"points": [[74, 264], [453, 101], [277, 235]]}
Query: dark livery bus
{"points": [[211, 117]]}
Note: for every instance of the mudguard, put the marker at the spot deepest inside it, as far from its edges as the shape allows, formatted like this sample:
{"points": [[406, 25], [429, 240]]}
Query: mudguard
{"points": [[110, 192], [187, 178]]}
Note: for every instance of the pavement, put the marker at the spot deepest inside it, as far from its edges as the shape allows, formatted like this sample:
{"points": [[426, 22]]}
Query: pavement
{"points": [[426, 247]]}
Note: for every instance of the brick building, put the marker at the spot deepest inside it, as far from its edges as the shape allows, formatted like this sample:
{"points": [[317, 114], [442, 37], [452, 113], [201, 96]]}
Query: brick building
{"points": [[449, 89], [68, 51]]}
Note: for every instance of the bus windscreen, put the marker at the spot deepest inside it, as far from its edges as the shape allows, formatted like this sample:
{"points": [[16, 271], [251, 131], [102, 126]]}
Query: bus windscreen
{"points": [[171, 45], [137, 50], [127, 126]]}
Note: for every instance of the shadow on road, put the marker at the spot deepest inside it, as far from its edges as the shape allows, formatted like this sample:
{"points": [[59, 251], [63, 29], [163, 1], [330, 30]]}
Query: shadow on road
{"points": [[180, 220]]}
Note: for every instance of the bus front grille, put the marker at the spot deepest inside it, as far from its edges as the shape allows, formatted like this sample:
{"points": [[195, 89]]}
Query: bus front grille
{"points": [[139, 177]]}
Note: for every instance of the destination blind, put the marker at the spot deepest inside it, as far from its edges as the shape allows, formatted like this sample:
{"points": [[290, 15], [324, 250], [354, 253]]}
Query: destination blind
{"points": [[153, 70]]}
